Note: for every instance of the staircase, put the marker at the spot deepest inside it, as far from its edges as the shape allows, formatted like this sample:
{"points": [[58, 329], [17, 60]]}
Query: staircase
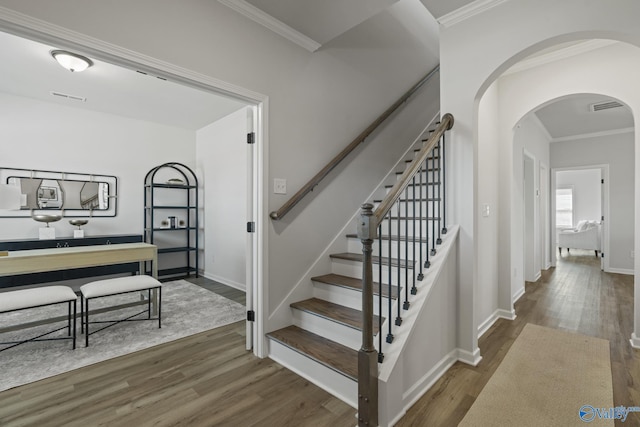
{"points": [[322, 343]]}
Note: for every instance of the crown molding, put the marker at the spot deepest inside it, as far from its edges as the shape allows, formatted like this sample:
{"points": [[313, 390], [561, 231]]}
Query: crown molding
{"points": [[593, 135], [559, 54], [257, 15], [468, 11]]}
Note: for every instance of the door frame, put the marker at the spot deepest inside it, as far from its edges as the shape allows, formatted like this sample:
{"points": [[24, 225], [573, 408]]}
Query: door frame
{"points": [[604, 210], [41, 31]]}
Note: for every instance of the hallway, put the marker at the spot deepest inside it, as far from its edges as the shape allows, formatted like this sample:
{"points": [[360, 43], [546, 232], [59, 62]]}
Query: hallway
{"points": [[576, 297], [209, 379]]}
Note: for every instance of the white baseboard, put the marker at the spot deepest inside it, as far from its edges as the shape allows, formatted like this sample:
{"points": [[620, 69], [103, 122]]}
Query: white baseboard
{"points": [[224, 281], [518, 294], [627, 271], [635, 341], [420, 387], [469, 358], [498, 314]]}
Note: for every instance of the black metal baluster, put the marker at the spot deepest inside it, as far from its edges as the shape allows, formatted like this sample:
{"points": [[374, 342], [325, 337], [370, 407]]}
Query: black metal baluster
{"points": [[414, 290], [427, 263], [390, 308], [406, 247], [420, 219], [380, 353], [439, 240], [444, 187], [399, 273], [433, 201]]}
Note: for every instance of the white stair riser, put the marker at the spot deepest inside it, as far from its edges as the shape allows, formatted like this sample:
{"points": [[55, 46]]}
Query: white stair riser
{"points": [[333, 382], [354, 269], [413, 230], [429, 175], [344, 296], [398, 248], [427, 190], [327, 328], [429, 209]]}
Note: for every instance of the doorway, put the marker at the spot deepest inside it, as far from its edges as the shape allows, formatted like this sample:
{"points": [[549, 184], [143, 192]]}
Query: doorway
{"points": [[581, 194], [159, 73]]}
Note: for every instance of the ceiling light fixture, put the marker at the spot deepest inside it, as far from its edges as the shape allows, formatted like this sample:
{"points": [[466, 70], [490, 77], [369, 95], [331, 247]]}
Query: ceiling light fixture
{"points": [[71, 61]]}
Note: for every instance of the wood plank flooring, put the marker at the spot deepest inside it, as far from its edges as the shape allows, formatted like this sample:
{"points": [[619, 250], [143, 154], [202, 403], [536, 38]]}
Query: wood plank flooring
{"points": [[575, 296], [210, 380]]}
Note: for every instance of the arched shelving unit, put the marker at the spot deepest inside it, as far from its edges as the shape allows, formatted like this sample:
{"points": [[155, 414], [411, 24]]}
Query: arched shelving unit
{"points": [[171, 218]]}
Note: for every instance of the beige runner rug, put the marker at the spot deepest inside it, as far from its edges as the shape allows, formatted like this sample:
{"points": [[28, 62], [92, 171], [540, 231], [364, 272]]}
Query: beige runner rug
{"points": [[548, 378]]}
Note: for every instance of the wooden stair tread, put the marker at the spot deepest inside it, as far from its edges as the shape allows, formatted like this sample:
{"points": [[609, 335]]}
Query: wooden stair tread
{"points": [[338, 357], [417, 184], [393, 237], [355, 284], [395, 262], [338, 313]]}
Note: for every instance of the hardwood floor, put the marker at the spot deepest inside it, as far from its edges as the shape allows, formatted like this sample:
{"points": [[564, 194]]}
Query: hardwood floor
{"points": [[575, 296], [210, 380]]}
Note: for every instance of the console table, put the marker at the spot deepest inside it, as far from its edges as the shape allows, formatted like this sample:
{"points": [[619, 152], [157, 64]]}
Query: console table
{"points": [[69, 273], [41, 260]]}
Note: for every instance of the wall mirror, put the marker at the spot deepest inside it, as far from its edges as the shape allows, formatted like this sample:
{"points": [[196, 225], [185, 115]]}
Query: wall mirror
{"points": [[70, 194]]}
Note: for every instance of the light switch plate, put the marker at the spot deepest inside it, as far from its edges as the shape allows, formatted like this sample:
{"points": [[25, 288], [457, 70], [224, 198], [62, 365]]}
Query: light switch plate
{"points": [[280, 186]]}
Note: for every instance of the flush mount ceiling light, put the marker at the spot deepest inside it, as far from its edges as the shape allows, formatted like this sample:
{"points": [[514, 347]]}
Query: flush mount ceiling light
{"points": [[71, 61]]}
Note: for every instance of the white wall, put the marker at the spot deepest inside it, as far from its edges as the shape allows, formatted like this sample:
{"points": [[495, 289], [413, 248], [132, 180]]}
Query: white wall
{"points": [[587, 194], [618, 152], [46, 136], [475, 52], [488, 222], [221, 150], [317, 102], [525, 243]]}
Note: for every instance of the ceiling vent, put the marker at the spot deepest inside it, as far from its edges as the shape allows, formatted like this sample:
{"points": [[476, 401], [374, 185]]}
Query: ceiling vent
{"points": [[607, 105], [66, 95]]}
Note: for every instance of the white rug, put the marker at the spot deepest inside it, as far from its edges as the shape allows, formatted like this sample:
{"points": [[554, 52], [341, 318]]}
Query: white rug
{"points": [[187, 309]]}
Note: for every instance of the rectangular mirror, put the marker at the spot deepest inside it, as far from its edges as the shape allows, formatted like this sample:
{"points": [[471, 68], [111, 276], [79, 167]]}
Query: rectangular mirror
{"points": [[72, 194]]}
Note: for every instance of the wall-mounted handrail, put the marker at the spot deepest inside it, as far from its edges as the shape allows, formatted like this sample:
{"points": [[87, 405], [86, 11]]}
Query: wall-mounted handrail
{"points": [[394, 194], [313, 182]]}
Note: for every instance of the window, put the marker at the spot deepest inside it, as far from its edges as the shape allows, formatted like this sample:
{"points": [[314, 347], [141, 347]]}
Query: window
{"points": [[564, 207]]}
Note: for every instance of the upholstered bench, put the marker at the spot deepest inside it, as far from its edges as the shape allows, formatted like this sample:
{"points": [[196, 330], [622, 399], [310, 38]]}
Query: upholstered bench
{"points": [[120, 285], [40, 297]]}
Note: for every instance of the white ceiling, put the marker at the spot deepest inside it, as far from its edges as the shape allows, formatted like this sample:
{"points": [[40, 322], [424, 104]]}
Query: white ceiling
{"points": [[324, 20], [571, 116], [32, 72], [440, 8]]}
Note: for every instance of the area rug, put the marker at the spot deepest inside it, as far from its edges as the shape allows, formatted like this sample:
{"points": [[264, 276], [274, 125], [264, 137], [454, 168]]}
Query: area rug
{"points": [[548, 378], [187, 309]]}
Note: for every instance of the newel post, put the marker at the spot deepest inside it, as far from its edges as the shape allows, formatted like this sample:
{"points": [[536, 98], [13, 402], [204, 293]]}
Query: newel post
{"points": [[367, 356]]}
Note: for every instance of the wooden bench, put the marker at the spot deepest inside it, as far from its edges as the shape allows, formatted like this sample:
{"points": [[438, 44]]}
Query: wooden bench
{"points": [[41, 297], [120, 285]]}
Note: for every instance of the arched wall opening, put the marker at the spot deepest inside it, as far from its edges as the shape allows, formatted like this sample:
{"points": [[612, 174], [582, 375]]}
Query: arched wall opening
{"points": [[503, 104]]}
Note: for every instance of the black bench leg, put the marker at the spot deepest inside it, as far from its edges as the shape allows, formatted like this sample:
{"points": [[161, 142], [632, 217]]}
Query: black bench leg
{"points": [[75, 315], [86, 322], [159, 308]]}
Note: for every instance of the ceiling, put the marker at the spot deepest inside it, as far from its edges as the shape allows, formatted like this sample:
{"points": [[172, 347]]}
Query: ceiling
{"points": [[324, 20], [573, 116], [107, 88]]}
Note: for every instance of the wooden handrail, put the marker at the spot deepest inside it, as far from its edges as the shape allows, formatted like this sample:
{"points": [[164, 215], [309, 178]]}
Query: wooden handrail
{"points": [[313, 182], [396, 191]]}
